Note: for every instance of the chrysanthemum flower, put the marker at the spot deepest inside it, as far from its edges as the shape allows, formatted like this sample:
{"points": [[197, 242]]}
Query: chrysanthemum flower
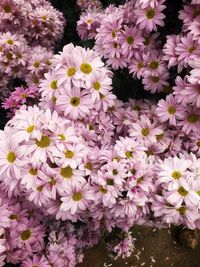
{"points": [[149, 18], [144, 131], [75, 103], [169, 110], [76, 198], [36, 261]]}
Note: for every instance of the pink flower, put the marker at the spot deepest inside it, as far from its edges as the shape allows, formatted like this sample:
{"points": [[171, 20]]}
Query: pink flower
{"points": [[11, 155], [169, 50], [187, 49], [155, 82], [76, 198], [169, 110], [36, 261], [190, 119], [171, 171], [75, 103], [131, 40], [29, 236], [183, 194], [144, 131], [149, 17], [49, 85]]}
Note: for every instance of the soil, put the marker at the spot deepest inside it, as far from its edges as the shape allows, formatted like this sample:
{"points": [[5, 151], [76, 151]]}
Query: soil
{"points": [[153, 248]]}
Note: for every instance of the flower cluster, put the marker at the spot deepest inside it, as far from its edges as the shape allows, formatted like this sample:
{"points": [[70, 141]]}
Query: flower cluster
{"points": [[178, 195], [29, 30], [88, 4], [78, 85], [81, 161], [127, 37], [20, 96], [24, 239]]}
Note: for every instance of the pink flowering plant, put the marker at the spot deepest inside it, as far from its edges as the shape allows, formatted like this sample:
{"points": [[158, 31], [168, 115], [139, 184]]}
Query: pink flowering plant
{"points": [[76, 161]]}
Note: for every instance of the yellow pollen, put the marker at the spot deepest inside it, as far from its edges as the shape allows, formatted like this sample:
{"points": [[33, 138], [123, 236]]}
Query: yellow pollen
{"points": [[86, 68], [66, 172], [53, 85], [69, 154], [11, 157], [71, 72], [33, 171], [77, 196], [97, 85], [26, 235], [75, 101], [44, 142], [30, 128]]}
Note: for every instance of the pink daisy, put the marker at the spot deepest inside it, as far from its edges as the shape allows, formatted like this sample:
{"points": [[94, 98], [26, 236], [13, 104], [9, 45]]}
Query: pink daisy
{"points": [[75, 103], [76, 198], [150, 17], [190, 119], [36, 261], [169, 109], [144, 131], [12, 158]]}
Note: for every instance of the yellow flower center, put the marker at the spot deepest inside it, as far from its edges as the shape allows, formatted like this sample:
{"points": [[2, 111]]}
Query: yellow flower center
{"points": [[97, 85], [10, 42], [150, 13], [159, 137], [39, 188], [198, 143], [53, 85], [192, 118], [66, 172], [103, 190], [86, 68], [176, 175], [7, 8], [36, 64], [33, 171], [62, 137], [145, 131], [88, 166], [30, 128], [155, 79], [147, 40], [26, 235], [191, 49], [69, 154], [171, 110], [44, 142], [75, 101], [11, 157], [13, 216], [110, 182], [53, 99], [9, 56], [153, 65], [182, 210], [52, 182], [182, 191], [77, 196], [130, 40], [128, 154], [71, 72]]}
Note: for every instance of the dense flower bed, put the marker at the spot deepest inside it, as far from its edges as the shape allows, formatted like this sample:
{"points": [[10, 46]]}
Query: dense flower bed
{"points": [[75, 161]]}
